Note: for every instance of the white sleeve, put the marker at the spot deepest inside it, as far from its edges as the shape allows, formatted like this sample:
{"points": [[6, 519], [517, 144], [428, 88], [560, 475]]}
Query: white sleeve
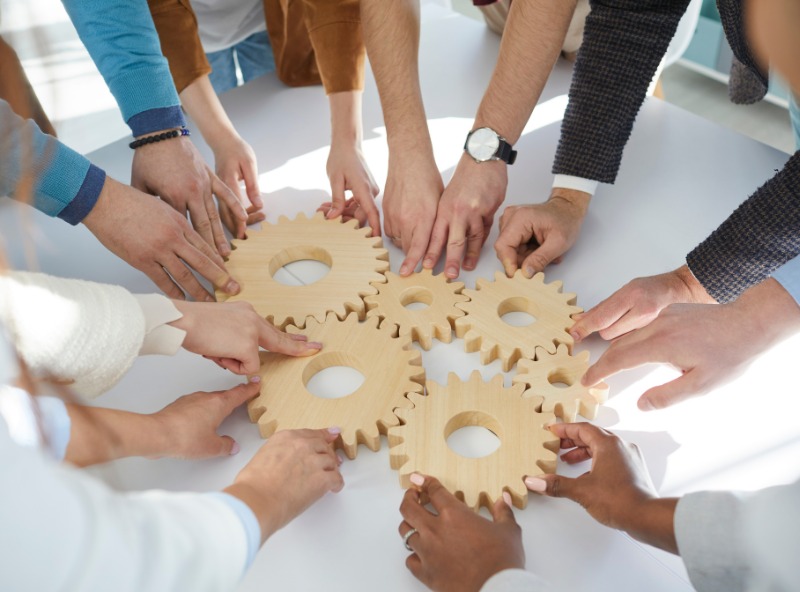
{"points": [[65, 531], [515, 580], [83, 333]]}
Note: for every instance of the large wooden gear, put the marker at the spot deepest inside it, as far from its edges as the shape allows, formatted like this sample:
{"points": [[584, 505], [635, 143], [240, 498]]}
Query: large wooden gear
{"points": [[484, 329], [435, 291], [527, 448], [544, 375], [391, 369], [356, 261]]}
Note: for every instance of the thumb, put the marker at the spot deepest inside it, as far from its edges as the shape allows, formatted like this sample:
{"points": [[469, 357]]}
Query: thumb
{"points": [[277, 341], [553, 486], [668, 394], [501, 510], [337, 197], [241, 394], [540, 258], [227, 446]]}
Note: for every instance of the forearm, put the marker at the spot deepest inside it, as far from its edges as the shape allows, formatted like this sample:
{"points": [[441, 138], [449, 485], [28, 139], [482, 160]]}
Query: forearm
{"points": [[654, 524], [531, 43], [346, 126], [207, 113], [391, 34], [770, 313], [101, 435]]}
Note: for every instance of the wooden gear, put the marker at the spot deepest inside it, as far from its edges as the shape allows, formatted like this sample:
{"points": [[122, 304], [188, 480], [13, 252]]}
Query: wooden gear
{"points": [[527, 448], [484, 329], [391, 369], [435, 320], [542, 375], [356, 261]]}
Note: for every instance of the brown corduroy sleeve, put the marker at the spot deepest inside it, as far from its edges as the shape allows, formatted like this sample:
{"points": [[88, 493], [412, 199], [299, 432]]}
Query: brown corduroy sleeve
{"points": [[18, 92], [177, 30], [317, 41]]}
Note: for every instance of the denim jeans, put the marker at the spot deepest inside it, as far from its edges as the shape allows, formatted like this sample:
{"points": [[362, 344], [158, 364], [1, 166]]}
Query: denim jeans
{"points": [[255, 58]]}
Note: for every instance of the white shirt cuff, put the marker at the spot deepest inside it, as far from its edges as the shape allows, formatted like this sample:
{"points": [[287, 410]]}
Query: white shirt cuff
{"points": [[159, 337], [788, 275], [249, 522], [577, 183]]}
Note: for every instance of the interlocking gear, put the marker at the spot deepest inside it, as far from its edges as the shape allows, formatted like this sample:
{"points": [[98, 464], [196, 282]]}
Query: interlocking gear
{"points": [[356, 261], [390, 366], [484, 329], [423, 324], [527, 448], [543, 376]]}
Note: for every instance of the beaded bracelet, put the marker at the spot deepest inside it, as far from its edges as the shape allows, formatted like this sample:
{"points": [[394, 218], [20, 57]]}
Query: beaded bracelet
{"points": [[159, 137]]}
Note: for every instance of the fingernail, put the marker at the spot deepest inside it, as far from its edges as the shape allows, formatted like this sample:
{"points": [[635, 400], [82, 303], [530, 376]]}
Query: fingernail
{"points": [[507, 498], [469, 263], [232, 287], [335, 430], [225, 250], [575, 335], [529, 271], [313, 345], [339, 459], [428, 262], [536, 484], [452, 271], [255, 378], [646, 405], [417, 479], [403, 270], [235, 448], [210, 298]]}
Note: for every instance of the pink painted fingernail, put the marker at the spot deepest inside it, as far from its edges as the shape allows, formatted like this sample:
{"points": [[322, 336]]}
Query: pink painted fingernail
{"points": [[529, 271], [417, 479], [255, 378], [507, 499], [428, 262], [536, 484], [335, 430], [339, 459], [403, 270], [232, 287], [575, 335], [314, 344], [235, 448], [452, 271]]}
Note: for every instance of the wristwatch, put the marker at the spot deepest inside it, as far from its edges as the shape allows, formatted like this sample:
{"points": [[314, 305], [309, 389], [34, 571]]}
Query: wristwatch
{"points": [[486, 144]]}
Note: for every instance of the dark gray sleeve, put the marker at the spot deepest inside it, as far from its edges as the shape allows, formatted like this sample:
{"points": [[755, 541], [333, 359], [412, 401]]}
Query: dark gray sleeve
{"points": [[623, 43], [762, 234]]}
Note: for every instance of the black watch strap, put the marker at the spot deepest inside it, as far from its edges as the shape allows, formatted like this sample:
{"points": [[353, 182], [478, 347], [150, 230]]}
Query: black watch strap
{"points": [[506, 153]]}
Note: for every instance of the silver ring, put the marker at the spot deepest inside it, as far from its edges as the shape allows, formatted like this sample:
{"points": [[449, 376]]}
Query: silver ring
{"points": [[407, 536]]}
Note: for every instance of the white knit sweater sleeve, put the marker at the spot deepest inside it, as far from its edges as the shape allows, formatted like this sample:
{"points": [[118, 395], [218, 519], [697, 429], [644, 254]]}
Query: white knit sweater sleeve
{"points": [[75, 331]]}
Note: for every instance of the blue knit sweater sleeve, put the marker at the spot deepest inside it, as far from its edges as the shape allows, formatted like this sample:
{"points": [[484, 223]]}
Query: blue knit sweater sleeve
{"points": [[122, 40], [61, 182]]}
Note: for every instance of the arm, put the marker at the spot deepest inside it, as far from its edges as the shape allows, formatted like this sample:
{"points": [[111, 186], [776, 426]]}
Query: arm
{"points": [[413, 185], [531, 43], [623, 44]]}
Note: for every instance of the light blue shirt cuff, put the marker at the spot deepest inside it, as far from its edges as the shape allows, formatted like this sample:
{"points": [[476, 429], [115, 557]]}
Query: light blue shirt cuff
{"points": [[788, 275], [56, 424], [249, 521]]}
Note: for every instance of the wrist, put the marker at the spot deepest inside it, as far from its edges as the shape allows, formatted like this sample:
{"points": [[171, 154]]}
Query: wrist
{"points": [[103, 208], [573, 198], [346, 127], [694, 292], [259, 504], [652, 521]]}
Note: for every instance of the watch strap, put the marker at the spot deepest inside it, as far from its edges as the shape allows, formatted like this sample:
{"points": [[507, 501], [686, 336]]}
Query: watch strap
{"points": [[506, 153]]}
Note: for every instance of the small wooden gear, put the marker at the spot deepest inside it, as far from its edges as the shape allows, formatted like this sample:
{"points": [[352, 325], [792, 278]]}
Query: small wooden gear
{"points": [[527, 448], [435, 291], [544, 374], [484, 329], [356, 261], [391, 369]]}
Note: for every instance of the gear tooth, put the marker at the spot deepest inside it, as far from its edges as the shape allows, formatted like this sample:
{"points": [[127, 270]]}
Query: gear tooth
{"points": [[256, 409], [397, 461], [418, 398], [519, 494], [283, 219], [496, 381], [470, 499], [370, 437], [267, 428], [472, 341]]}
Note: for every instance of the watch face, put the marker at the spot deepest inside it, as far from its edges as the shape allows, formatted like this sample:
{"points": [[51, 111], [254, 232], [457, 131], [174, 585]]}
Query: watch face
{"points": [[483, 144]]}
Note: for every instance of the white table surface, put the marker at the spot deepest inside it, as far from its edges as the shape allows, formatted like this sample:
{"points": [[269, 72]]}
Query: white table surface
{"points": [[681, 176]]}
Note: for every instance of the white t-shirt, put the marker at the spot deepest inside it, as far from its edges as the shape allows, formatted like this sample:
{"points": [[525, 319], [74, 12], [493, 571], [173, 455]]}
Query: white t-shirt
{"points": [[224, 23]]}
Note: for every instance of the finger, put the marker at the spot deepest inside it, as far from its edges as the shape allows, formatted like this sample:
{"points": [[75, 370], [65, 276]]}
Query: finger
{"points": [[506, 247], [554, 486], [201, 223], [540, 258], [220, 240], [438, 495], [456, 245], [239, 395], [274, 340], [625, 353], [601, 316], [182, 275], [502, 512], [582, 434], [234, 365], [418, 243], [207, 268], [576, 455], [436, 243], [366, 200], [224, 193], [164, 282], [670, 393], [475, 241], [337, 197], [250, 175], [227, 446], [227, 218], [413, 511]]}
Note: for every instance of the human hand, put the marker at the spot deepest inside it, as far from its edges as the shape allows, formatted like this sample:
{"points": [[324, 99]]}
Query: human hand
{"points": [[455, 548], [188, 426], [534, 236], [287, 475], [410, 198], [639, 302], [465, 214], [347, 170], [175, 171], [617, 491], [230, 334], [158, 241], [235, 162]]}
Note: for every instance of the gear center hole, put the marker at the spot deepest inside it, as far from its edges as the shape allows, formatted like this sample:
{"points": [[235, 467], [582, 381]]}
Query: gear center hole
{"points": [[473, 434], [416, 298], [333, 375], [302, 264], [517, 311], [559, 380]]}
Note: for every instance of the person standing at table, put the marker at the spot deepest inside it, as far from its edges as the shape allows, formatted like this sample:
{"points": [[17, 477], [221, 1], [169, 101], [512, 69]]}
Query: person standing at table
{"points": [[313, 42]]}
